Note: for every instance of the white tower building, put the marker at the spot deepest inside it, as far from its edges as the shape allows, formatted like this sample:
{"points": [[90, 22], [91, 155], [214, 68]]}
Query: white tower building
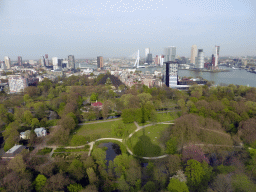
{"points": [[200, 59], [169, 53], [55, 63], [147, 51], [7, 62]]}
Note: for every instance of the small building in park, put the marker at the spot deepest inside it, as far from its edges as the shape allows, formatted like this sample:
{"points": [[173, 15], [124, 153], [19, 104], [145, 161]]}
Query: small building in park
{"points": [[40, 132], [25, 135], [97, 104], [11, 153]]}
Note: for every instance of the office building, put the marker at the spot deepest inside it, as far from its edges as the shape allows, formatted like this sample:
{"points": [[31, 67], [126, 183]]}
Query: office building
{"points": [[19, 60], [71, 62], [7, 62], [217, 52], [55, 63], [162, 60], [169, 54], [193, 54], [17, 83], [156, 60], [100, 62], [42, 61], [200, 59], [46, 60], [149, 59], [170, 73], [147, 51]]}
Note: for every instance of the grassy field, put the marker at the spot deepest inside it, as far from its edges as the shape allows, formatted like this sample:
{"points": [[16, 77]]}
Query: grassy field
{"points": [[91, 132], [146, 141], [161, 117]]}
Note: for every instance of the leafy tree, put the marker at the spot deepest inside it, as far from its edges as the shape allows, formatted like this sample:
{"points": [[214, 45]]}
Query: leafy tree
{"points": [[122, 185], [99, 155], [12, 139], [93, 179], [17, 164], [195, 174], [177, 186], [76, 169], [150, 186], [75, 187], [171, 146], [94, 97], [56, 182], [222, 183], [241, 182], [35, 123], [40, 182], [193, 152], [119, 129]]}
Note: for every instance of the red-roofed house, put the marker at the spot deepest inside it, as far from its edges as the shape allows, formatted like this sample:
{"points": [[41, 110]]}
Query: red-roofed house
{"points": [[97, 104]]}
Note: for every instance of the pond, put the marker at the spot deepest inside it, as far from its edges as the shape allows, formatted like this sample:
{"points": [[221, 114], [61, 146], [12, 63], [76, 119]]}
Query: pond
{"points": [[112, 151]]}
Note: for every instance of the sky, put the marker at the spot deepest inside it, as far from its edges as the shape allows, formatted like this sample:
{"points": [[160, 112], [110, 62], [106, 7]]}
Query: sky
{"points": [[116, 28]]}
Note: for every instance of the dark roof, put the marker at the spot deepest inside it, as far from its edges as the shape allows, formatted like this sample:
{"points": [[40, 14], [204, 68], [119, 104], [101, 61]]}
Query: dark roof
{"points": [[114, 80], [12, 153]]}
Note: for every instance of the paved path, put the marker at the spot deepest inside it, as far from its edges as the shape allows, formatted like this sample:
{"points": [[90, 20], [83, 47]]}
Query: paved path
{"points": [[101, 121], [91, 144]]}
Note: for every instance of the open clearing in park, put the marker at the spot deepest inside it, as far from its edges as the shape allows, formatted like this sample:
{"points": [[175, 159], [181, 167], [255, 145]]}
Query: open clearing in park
{"points": [[91, 132], [146, 142]]}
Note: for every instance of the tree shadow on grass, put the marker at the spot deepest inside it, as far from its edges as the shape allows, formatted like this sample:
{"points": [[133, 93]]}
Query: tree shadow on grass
{"points": [[145, 148]]}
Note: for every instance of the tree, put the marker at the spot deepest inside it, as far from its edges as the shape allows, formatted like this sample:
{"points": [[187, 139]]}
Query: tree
{"points": [[56, 183], [195, 174], [193, 152], [75, 187], [171, 146], [150, 186], [122, 185], [118, 129], [17, 164], [99, 155], [241, 182], [94, 97], [176, 186], [222, 183], [76, 169], [93, 179], [35, 123], [12, 139], [40, 182]]}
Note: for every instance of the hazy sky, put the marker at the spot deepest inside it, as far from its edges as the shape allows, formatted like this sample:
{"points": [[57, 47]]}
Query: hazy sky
{"points": [[87, 28]]}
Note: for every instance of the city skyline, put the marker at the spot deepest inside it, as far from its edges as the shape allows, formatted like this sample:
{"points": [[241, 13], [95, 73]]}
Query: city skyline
{"points": [[119, 28]]}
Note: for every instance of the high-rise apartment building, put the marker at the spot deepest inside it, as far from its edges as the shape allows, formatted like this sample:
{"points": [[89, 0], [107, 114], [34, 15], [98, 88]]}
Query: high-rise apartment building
{"points": [[100, 62], [171, 73], [42, 61], [19, 60], [200, 59], [169, 54], [7, 62], [193, 54], [71, 62]]}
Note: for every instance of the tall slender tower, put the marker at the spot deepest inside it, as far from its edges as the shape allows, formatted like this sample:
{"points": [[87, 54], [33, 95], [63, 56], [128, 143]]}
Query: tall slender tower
{"points": [[200, 59], [147, 51], [19, 60], [193, 54], [217, 52], [71, 61], [7, 62]]}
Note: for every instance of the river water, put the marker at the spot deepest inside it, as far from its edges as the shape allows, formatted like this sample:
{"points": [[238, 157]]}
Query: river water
{"points": [[234, 76]]}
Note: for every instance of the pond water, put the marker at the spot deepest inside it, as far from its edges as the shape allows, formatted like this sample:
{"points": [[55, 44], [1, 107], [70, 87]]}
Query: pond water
{"points": [[112, 151]]}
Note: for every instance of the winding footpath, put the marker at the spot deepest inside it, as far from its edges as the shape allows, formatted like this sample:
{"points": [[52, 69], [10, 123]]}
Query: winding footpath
{"points": [[91, 144]]}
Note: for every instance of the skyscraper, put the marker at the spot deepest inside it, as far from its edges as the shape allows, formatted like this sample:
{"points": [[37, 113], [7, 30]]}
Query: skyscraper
{"points": [[169, 53], [217, 52], [19, 60], [193, 54], [55, 63], [46, 60], [7, 62], [100, 62], [147, 51], [200, 59], [71, 61]]}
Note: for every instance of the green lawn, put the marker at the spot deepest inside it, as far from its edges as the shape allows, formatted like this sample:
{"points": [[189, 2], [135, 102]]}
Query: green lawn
{"points": [[91, 132], [170, 116], [146, 141]]}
